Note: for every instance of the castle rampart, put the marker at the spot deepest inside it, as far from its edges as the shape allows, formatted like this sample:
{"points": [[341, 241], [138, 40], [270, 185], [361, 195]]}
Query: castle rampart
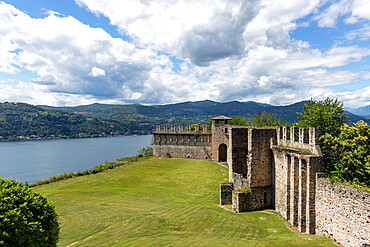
{"points": [[297, 159], [180, 142], [274, 168]]}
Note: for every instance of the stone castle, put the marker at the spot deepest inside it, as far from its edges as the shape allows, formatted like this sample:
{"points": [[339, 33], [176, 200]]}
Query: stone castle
{"points": [[274, 168]]}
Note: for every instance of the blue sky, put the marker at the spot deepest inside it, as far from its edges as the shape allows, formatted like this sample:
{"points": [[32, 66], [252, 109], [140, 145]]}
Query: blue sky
{"points": [[67, 52]]}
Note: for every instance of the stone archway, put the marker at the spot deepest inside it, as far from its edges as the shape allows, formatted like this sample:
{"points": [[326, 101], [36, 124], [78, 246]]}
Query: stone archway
{"points": [[222, 153]]}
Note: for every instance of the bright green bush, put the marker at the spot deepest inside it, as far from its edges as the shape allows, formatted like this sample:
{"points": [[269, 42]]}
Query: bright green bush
{"points": [[350, 153], [27, 218]]}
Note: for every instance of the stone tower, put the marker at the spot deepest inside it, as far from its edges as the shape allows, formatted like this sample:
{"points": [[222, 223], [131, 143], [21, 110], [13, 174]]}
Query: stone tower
{"points": [[220, 138]]}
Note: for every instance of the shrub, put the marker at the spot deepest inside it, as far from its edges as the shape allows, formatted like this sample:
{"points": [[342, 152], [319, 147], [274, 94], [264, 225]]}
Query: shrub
{"points": [[27, 218]]}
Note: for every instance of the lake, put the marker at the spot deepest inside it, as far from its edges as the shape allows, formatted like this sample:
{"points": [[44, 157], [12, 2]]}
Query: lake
{"points": [[35, 160]]}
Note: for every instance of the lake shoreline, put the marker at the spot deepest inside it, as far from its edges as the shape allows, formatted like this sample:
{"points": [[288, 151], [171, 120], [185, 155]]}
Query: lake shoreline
{"points": [[65, 138], [36, 160]]}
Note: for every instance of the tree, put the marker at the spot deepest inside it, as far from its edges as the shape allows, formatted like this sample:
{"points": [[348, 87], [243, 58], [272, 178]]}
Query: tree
{"points": [[238, 120], [27, 218], [326, 115], [266, 120], [350, 157], [263, 120]]}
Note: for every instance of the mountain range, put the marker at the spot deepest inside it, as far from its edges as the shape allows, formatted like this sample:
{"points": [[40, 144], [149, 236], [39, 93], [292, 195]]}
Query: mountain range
{"points": [[198, 110]]}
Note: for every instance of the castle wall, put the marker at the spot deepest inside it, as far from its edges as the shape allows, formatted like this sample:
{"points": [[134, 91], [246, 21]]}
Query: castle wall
{"points": [[182, 143], [260, 156], [295, 165], [343, 213], [238, 152], [220, 135]]}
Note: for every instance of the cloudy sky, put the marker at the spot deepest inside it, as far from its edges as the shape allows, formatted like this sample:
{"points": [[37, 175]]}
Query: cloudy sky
{"points": [[66, 52]]}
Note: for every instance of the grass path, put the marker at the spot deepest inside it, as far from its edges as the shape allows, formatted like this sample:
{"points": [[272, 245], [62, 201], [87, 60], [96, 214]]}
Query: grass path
{"points": [[161, 202]]}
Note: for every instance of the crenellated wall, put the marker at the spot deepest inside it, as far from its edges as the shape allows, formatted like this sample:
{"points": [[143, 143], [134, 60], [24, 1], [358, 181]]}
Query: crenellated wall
{"points": [[180, 142], [297, 159]]}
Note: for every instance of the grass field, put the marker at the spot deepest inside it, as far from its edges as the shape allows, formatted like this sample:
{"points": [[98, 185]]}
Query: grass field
{"points": [[161, 202]]}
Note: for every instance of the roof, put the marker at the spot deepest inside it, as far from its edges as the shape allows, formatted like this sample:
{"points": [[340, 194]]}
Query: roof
{"points": [[221, 118]]}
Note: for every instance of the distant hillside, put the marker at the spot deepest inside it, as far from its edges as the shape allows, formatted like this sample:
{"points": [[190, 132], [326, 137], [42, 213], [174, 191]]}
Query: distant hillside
{"points": [[362, 111], [187, 112], [23, 121]]}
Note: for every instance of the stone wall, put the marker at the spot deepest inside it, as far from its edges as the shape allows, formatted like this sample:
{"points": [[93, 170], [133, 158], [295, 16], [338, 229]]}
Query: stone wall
{"points": [[226, 194], [259, 160], [296, 162], [181, 142], [238, 152], [220, 136], [343, 213]]}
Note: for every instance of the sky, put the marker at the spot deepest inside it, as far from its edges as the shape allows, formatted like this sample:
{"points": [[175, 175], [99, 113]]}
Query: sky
{"points": [[67, 53]]}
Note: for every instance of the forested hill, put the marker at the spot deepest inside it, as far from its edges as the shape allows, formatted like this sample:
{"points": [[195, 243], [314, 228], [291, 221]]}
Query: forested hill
{"points": [[187, 112], [23, 121]]}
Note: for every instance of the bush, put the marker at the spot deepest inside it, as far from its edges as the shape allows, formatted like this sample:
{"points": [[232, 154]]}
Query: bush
{"points": [[350, 156], [27, 218]]}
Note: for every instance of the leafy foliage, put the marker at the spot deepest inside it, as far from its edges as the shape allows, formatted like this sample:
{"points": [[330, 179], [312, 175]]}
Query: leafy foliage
{"points": [[350, 156], [326, 115], [146, 152], [345, 148], [263, 120], [27, 218], [238, 120]]}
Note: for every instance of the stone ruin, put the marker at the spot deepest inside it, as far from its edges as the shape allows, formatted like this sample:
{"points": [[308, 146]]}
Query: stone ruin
{"points": [[272, 168]]}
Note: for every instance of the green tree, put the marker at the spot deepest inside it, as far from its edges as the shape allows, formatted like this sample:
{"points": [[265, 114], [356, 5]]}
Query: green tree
{"points": [[266, 120], [326, 115], [27, 218], [209, 124], [238, 120], [350, 157]]}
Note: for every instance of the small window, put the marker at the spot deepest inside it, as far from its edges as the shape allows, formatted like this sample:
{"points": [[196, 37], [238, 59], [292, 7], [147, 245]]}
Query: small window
{"points": [[225, 130]]}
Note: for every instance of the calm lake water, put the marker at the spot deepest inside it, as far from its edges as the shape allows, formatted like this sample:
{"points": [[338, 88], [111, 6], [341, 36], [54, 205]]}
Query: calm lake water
{"points": [[35, 160]]}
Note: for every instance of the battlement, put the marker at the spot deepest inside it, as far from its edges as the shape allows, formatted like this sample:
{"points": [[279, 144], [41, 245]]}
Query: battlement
{"points": [[181, 129], [301, 138]]}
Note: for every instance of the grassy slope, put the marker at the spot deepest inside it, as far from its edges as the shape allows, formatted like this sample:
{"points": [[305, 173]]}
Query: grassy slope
{"points": [[159, 202]]}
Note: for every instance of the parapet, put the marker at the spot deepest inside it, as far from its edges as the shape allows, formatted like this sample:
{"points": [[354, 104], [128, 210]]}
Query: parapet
{"points": [[301, 138], [181, 129]]}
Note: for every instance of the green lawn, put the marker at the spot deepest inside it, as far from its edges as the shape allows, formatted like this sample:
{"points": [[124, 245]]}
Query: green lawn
{"points": [[161, 202]]}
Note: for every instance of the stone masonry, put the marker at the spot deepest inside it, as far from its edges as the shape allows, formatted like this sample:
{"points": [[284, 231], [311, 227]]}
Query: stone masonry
{"points": [[274, 168], [343, 213]]}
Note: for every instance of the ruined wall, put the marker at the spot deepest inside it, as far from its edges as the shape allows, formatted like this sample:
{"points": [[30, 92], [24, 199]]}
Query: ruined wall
{"points": [[182, 143], [296, 162], [343, 213], [250, 167], [238, 152], [259, 156]]}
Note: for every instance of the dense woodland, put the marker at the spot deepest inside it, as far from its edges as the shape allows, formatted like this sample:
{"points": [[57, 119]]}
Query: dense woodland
{"points": [[19, 121]]}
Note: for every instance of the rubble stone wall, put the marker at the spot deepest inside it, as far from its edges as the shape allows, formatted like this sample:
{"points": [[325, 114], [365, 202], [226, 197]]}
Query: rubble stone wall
{"points": [[343, 213]]}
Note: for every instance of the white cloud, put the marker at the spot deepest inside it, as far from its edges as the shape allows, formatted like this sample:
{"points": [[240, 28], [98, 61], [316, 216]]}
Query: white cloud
{"points": [[358, 9], [95, 71], [242, 49]]}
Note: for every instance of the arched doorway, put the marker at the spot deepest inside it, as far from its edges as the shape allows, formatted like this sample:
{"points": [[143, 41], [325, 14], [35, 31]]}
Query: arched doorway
{"points": [[222, 153]]}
